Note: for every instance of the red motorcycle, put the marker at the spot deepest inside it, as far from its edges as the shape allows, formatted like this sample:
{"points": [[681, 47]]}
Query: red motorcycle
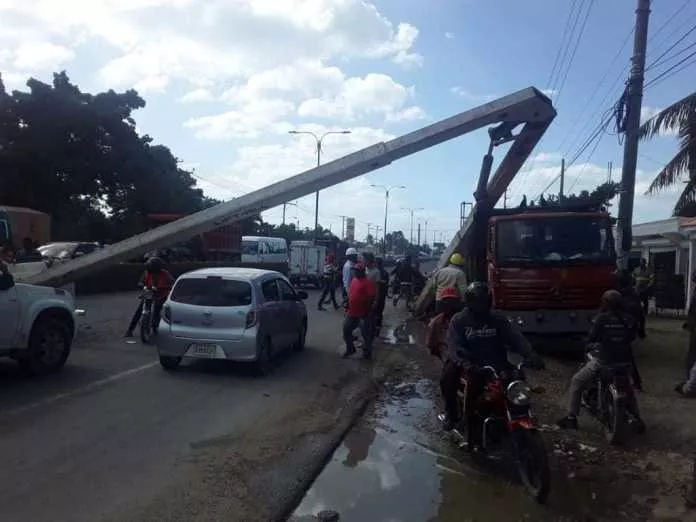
{"points": [[508, 426]]}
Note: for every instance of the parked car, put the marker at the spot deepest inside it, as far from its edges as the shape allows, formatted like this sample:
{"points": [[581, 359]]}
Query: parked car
{"points": [[234, 314], [66, 250]]}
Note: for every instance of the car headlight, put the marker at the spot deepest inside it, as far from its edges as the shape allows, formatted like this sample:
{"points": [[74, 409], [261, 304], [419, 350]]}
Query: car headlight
{"points": [[520, 321], [519, 393]]}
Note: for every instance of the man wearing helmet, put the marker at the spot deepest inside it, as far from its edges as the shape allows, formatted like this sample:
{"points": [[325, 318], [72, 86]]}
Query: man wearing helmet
{"points": [[612, 333], [155, 276], [478, 337], [452, 275]]}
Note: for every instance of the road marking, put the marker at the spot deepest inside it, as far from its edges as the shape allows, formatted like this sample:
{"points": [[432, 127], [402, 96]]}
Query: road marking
{"points": [[86, 388]]}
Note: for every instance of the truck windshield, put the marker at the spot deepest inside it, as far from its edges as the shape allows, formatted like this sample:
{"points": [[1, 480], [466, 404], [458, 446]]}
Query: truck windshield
{"points": [[554, 239], [250, 248]]}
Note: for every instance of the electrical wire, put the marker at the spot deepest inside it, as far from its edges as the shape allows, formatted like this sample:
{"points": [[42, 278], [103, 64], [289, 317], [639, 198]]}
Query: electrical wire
{"points": [[562, 46], [657, 62], [671, 71], [575, 50]]}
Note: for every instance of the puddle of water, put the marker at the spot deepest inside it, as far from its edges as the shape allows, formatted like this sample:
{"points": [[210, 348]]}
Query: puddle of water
{"points": [[395, 466]]}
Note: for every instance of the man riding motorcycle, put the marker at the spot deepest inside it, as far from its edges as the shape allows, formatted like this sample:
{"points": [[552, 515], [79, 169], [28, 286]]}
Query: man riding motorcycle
{"points": [[452, 275], [155, 276], [478, 337], [612, 332], [450, 304]]}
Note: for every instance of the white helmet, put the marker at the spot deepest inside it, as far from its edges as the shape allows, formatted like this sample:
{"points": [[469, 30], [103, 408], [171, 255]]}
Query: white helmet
{"points": [[351, 252]]}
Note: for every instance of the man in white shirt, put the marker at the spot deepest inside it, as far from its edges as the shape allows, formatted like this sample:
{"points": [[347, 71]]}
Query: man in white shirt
{"points": [[351, 259]]}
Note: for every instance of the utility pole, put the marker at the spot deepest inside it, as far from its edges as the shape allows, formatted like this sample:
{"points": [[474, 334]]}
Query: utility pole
{"points": [[630, 157], [505, 198], [343, 227], [560, 192], [425, 233], [284, 205], [609, 173]]}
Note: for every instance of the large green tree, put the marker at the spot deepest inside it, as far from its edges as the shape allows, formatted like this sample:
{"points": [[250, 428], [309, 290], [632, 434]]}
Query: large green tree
{"points": [[679, 118], [79, 157]]}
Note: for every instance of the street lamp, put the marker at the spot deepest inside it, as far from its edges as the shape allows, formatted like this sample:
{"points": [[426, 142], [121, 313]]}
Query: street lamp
{"points": [[386, 189], [412, 210], [319, 140]]}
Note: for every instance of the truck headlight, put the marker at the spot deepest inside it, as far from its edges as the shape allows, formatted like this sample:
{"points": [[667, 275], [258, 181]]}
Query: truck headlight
{"points": [[519, 393]]}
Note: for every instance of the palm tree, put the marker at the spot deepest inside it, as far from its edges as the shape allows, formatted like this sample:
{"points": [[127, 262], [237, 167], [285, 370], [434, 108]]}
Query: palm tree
{"points": [[679, 117]]}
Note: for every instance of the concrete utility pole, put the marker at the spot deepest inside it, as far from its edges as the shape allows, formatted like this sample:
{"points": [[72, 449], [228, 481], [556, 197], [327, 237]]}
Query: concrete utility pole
{"points": [[630, 157], [560, 192], [387, 190], [609, 172], [411, 210], [419, 235]]}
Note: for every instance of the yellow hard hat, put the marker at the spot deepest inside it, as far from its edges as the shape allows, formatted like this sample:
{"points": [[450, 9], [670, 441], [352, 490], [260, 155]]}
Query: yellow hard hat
{"points": [[456, 259]]}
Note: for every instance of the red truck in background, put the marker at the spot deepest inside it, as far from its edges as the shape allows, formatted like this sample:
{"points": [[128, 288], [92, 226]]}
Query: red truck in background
{"points": [[548, 266], [221, 244]]}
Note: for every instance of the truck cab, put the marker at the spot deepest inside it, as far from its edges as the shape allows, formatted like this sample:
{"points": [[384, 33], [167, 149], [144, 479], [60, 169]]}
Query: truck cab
{"points": [[548, 268], [37, 325]]}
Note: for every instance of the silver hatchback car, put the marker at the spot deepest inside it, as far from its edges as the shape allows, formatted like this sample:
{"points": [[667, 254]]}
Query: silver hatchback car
{"points": [[234, 314]]}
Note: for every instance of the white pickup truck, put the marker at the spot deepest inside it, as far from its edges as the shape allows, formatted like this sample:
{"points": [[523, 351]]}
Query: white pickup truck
{"points": [[37, 324]]}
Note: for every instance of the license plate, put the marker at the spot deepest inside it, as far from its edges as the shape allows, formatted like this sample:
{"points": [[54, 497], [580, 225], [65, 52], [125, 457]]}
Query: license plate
{"points": [[204, 350]]}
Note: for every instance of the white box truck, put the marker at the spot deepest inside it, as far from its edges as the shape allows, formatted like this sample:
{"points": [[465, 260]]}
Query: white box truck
{"points": [[306, 263]]}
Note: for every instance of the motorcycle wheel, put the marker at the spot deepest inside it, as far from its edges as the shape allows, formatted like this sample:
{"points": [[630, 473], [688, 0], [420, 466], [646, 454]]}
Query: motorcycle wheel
{"points": [[615, 425], [533, 464], [145, 329]]}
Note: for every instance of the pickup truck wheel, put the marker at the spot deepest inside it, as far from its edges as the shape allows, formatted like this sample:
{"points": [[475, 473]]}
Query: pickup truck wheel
{"points": [[49, 347]]}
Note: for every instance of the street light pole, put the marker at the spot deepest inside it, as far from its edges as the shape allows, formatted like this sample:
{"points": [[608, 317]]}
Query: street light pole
{"points": [[319, 141], [386, 189], [412, 210]]}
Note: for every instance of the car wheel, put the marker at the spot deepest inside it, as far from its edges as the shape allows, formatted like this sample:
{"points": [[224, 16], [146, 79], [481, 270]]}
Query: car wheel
{"points": [[301, 338], [263, 363], [169, 363], [49, 347]]}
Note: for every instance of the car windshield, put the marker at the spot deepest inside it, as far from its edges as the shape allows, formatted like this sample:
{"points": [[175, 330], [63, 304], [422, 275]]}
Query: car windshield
{"points": [[554, 239], [250, 248], [212, 291], [59, 250]]}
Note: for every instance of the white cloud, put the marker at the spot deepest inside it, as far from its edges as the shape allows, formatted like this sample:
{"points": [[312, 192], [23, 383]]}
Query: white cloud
{"points": [[480, 98], [252, 120], [449, 35], [375, 93], [197, 95], [40, 56], [411, 113]]}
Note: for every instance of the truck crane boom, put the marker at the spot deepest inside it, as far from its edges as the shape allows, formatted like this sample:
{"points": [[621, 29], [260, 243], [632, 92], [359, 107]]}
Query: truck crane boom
{"points": [[527, 107]]}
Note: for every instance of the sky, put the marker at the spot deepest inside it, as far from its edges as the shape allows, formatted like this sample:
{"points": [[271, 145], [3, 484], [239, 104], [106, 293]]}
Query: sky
{"points": [[226, 80]]}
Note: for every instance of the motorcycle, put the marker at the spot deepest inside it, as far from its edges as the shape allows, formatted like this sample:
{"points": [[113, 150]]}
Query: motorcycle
{"points": [[146, 330], [509, 427], [405, 293], [609, 398]]}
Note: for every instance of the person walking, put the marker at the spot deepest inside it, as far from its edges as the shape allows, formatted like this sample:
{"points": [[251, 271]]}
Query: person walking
{"points": [[361, 298], [644, 279], [382, 291], [330, 272], [347, 272]]}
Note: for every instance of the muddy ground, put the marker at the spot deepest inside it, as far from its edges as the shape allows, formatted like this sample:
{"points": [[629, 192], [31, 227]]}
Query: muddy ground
{"points": [[407, 469]]}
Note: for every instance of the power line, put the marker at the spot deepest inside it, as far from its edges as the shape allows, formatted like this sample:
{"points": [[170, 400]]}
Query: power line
{"points": [[666, 73], [669, 20], [562, 46], [656, 61], [575, 49]]}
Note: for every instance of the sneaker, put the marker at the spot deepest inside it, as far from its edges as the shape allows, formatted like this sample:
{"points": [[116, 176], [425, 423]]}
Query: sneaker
{"points": [[568, 422], [129, 333]]}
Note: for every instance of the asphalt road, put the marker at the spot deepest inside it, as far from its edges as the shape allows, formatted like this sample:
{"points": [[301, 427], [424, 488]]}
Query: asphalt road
{"points": [[107, 435]]}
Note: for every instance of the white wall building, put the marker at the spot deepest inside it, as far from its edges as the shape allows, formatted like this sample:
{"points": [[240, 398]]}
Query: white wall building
{"points": [[671, 240]]}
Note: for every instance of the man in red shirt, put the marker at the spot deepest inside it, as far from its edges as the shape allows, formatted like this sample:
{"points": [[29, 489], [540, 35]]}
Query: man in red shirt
{"points": [[361, 298]]}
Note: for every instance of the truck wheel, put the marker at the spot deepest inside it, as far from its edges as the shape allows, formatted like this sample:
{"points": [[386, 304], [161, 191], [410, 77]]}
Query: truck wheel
{"points": [[49, 347]]}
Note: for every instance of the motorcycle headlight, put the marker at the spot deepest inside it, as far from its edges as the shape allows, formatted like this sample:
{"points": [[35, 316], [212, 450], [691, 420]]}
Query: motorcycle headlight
{"points": [[519, 393]]}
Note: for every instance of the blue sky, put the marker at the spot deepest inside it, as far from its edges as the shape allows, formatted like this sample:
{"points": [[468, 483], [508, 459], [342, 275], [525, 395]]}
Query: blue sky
{"points": [[225, 81]]}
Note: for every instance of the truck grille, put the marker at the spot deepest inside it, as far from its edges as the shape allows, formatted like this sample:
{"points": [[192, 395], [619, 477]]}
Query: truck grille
{"points": [[534, 295]]}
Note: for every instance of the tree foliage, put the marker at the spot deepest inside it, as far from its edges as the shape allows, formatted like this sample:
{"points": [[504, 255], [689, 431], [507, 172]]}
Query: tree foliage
{"points": [[601, 196], [680, 117], [78, 157]]}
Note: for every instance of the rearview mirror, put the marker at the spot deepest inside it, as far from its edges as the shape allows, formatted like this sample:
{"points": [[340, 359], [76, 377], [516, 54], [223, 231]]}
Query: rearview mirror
{"points": [[301, 295]]}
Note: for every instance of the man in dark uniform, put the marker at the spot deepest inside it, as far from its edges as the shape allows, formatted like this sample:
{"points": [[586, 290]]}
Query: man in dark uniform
{"points": [[478, 337], [632, 305], [612, 332]]}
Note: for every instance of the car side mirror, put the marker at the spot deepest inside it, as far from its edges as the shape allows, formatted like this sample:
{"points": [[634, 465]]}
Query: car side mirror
{"points": [[301, 295]]}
